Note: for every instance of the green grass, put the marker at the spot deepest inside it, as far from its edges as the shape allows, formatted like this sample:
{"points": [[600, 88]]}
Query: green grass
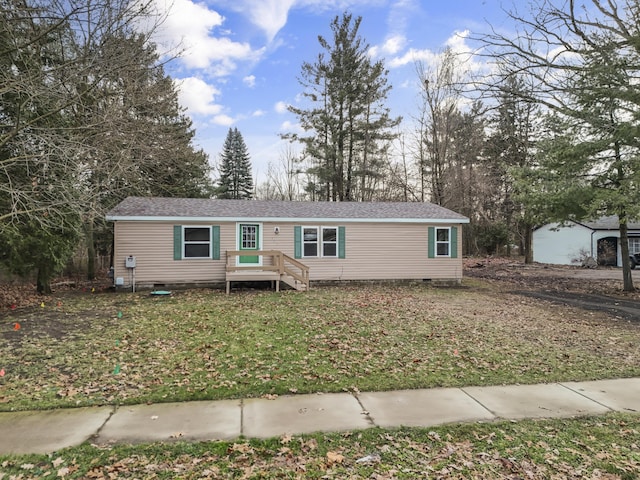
{"points": [[125, 348], [599, 448]]}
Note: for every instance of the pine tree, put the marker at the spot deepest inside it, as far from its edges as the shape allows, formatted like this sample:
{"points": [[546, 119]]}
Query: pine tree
{"points": [[349, 126], [88, 117], [588, 164], [235, 180]]}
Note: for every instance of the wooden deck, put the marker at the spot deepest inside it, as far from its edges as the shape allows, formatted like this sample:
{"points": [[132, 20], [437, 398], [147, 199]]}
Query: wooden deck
{"points": [[276, 267]]}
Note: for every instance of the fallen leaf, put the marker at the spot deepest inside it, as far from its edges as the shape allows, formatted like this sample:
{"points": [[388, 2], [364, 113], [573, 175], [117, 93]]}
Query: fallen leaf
{"points": [[335, 457], [241, 447]]}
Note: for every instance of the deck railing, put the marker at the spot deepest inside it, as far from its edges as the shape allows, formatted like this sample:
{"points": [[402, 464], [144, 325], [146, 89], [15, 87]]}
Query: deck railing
{"points": [[281, 267]]}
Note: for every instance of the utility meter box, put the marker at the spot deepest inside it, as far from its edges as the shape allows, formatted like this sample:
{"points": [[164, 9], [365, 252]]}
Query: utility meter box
{"points": [[130, 261]]}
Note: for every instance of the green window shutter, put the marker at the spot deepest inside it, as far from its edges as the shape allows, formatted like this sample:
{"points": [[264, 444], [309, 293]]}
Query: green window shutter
{"points": [[432, 242], [454, 242], [177, 242], [341, 243], [215, 242], [297, 241]]}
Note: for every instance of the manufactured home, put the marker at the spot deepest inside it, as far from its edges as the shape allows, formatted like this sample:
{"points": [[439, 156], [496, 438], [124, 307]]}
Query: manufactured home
{"points": [[186, 241]]}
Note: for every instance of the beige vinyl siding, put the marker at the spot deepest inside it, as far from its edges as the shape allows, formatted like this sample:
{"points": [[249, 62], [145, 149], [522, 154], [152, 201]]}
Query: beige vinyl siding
{"points": [[374, 251], [152, 245], [384, 251]]}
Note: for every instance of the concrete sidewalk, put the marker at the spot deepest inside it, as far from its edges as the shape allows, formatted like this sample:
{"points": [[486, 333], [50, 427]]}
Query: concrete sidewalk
{"points": [[48, 431]]}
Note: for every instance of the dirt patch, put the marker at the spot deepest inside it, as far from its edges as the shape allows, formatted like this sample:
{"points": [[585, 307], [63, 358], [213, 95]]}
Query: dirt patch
{"points": [[624, 309], [599, 289], [16, 295], [53, 323]]}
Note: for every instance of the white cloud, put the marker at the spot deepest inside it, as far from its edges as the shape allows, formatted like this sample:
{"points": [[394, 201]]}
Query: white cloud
{"points": [[413, 55], [259, 113], [197, 96], [391, 46], [292, 127], [457, 43], [269, 15], [272, 15], [189, 28], [394, 44], [400, 14], [249, 81], [224, 120], [281, 107]]}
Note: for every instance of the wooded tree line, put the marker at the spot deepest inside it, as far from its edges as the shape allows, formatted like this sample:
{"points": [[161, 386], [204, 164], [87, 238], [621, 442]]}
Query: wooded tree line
{"points": [[550, 133], [460, 152], [87, 117]]}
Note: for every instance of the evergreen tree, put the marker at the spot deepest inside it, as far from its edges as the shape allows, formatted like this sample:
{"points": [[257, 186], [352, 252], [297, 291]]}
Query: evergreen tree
{"points": [[589, 83], [350, 127], [235, 180], [87, 117], [137, 140], [510, 150]]}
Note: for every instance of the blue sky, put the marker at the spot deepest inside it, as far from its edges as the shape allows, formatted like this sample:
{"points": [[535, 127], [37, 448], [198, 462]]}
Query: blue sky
{"points": [[241, 59]]}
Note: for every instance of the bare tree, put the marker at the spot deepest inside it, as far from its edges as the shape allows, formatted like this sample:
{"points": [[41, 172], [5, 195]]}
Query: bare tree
{"points": [[87, 116], [582, 62], [441, 98], [285, 174]]}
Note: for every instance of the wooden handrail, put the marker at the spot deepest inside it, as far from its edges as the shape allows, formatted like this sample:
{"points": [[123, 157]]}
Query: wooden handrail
{"points": [[281, 263], [304, 276]]}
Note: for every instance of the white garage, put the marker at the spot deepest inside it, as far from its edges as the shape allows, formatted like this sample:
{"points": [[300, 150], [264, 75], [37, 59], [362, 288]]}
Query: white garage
{"points": [[570, 242]]}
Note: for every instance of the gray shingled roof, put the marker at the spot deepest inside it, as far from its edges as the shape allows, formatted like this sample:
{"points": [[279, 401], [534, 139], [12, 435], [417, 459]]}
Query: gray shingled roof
{"points": [[609, 223], [178, 208]]}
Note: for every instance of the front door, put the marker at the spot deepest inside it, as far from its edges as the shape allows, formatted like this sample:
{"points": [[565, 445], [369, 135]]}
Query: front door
{"points": [[249, 239], [608, 251]]}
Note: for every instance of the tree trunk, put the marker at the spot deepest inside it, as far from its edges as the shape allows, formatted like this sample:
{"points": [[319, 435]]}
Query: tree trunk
{"points": [[627, 279], [43, 282], [91, 251], [528, 243]]}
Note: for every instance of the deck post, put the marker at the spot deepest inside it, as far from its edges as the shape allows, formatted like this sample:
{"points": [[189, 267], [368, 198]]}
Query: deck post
{"points": [[279, 270]]}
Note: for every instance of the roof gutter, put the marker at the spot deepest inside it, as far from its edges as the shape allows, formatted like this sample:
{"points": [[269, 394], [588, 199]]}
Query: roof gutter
{"points": [[140, 218]]}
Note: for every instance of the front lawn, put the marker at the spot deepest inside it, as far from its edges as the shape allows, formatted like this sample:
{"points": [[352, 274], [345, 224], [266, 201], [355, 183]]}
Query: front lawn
{"points": [[90, 349]]}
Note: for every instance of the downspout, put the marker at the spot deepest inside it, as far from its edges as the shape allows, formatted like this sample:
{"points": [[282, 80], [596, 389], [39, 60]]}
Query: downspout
{"points": [[592, 232]]}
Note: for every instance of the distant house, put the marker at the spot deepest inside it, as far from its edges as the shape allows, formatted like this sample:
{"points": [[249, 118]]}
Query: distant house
{"points": [[572, 241], [171, 241]]}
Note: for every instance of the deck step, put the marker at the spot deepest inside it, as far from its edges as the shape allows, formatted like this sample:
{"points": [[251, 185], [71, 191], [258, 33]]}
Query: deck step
{"points": [[293, 283], [281, 268]]}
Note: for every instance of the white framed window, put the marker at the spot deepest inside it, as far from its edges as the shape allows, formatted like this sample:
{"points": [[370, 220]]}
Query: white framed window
{"points": [[320, 242], [634, 245], [310, 242], [196, 242], [249, 237], [329, 241], [443, 242]]}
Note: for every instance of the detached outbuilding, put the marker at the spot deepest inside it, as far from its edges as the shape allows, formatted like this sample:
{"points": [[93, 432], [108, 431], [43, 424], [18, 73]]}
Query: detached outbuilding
{"points": [[173, 241], [571, 242]]}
